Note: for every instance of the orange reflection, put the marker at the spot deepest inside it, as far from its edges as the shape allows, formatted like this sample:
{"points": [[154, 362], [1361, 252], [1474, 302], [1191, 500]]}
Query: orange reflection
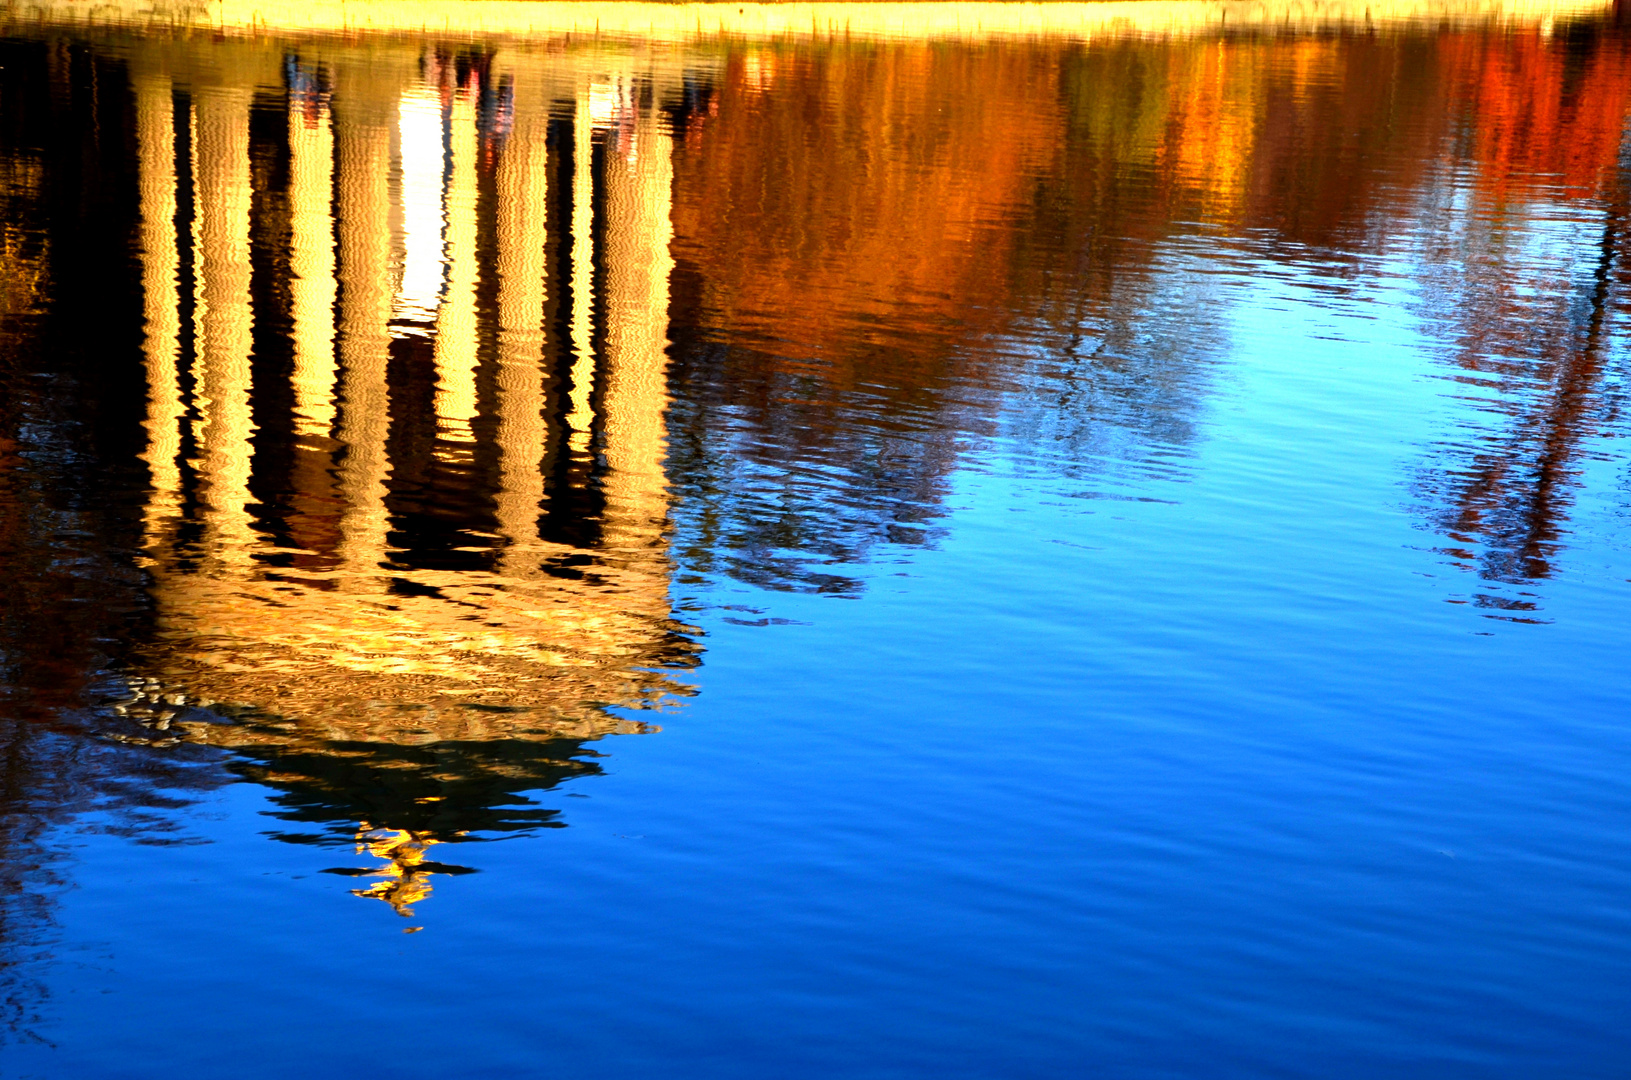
{"points": [[1546, 118]]}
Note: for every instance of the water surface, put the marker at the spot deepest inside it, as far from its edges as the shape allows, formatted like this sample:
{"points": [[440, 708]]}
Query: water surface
{"points": [[1030, 542]]}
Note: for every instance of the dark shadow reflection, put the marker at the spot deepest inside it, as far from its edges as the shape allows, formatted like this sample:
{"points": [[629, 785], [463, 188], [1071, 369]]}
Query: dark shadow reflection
{"points": [[71, 599]]}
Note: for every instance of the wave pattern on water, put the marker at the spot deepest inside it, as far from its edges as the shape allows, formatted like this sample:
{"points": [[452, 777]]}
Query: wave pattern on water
{"points": [[387, 389]]}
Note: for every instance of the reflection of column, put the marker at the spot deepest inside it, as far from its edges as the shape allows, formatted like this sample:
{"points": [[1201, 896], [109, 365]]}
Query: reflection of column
{"points": [[156, 142], [583, 270], [521, 208], [419, 136], [639, 198], [311, 258], [456, 321], [221, 256], [363, 204]]}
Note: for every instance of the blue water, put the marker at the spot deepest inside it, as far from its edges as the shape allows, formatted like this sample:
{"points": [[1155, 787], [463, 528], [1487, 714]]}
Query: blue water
{"points": [[1186, 741]]}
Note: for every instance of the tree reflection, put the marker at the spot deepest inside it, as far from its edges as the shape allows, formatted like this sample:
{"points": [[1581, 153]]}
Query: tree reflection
{"points": [[71, 599], [1529, 309]]}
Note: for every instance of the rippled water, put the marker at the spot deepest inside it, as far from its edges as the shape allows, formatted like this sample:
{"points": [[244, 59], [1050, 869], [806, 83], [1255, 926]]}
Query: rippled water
{"points": [[830, 540]]}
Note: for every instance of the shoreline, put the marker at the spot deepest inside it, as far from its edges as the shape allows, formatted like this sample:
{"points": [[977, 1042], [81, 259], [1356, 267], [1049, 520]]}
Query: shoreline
{"points": [[685, 23]]}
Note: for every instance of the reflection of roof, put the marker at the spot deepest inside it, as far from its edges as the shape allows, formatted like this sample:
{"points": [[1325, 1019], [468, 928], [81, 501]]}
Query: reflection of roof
{"points": [[425, 712], [283, 644]]}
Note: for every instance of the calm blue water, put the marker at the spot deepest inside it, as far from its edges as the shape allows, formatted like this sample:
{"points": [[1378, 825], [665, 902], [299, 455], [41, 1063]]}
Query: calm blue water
{"points": [[1190, 643]]}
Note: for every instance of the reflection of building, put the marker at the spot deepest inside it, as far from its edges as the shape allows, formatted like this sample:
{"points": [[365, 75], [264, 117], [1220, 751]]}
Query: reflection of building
{"points": [[472, 253]]}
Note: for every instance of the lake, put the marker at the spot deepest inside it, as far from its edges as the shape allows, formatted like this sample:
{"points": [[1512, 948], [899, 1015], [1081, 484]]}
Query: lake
{"points": [[815, 540]]}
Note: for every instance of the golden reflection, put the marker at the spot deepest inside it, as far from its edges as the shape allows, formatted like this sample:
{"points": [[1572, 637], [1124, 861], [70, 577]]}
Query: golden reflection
{"points": [[456, 319], [312, 285], [161, 262], [639, 230], [407, 880], [583, 266], [523, 191], [222, 319], [341, 656], [363, 224], [420, 153]]}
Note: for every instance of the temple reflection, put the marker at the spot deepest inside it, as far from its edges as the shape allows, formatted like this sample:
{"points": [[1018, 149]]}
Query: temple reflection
{"points": [[420, 550]]}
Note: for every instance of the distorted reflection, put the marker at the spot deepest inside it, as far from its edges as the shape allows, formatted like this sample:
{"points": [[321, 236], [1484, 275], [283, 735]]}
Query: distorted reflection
{"points": [[407, 521], [406, 872], [443, 368]]}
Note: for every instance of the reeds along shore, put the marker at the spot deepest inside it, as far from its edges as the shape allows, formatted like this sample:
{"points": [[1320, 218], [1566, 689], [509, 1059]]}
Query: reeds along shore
{"points": [[684, 23]]}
